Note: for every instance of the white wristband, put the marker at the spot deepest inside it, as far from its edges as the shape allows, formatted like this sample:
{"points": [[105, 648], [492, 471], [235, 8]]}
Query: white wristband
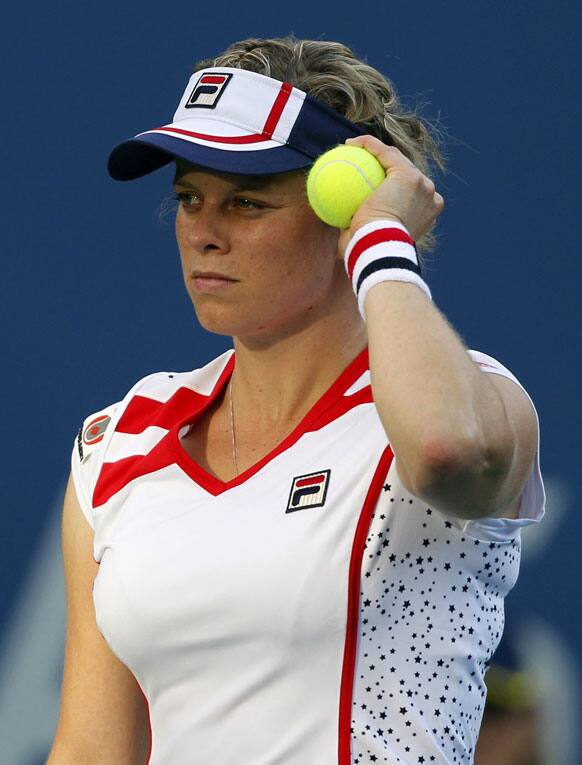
{"points": [[381, 251]]}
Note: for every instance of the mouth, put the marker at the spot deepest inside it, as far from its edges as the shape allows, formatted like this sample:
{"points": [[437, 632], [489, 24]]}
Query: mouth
{"points": [[211, 281]]}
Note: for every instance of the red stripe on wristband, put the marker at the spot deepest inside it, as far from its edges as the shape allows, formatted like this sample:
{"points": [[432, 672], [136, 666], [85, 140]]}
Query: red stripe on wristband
{"points": [[376, 237]]}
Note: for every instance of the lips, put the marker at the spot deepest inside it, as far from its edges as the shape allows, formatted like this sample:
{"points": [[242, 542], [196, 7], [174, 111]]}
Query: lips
{"points": [[209, 282], [211, 275]]}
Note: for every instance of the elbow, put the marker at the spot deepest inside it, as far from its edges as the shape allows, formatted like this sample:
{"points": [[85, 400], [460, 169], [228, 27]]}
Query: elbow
{"points": [[445, 463], [439, 462]]}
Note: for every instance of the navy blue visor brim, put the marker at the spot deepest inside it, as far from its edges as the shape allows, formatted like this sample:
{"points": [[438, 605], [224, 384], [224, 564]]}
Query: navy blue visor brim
{"points": [[140, 156]]}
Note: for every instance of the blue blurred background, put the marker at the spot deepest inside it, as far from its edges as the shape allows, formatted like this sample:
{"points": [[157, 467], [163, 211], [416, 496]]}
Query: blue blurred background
{"points": [[93, 297]]}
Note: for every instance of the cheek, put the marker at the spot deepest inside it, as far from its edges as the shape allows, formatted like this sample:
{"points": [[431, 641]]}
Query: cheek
{"points": [[180, 230], [305, 263], [314, 247]]}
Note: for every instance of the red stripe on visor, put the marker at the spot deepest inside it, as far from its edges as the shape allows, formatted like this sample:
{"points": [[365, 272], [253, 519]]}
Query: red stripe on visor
{"points": [[275, 114], [240, 122], [237, 139], [267, 133]]}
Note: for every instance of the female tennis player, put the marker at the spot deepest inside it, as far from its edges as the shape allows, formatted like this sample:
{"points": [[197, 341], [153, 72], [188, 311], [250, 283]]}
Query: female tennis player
{"points": [[298, 553]]}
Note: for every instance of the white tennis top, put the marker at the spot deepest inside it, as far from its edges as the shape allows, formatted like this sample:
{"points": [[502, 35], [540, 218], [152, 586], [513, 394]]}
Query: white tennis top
{"points": [[309, 612]]}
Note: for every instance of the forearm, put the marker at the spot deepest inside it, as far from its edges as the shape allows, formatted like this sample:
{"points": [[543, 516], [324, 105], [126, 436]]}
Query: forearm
{"points": [[445, 420]]}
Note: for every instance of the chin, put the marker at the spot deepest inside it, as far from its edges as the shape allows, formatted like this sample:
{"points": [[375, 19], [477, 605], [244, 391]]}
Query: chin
{"points": [[220, 319], [245, 321], [211, 322]]}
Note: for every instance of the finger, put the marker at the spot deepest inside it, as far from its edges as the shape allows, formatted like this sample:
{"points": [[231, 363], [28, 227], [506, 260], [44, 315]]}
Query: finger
{"points": [[389, 157]]}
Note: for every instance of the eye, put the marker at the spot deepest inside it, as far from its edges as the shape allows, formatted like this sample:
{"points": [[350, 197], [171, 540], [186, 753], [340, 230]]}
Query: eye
{"points": [[244, 203], [186, 198]]}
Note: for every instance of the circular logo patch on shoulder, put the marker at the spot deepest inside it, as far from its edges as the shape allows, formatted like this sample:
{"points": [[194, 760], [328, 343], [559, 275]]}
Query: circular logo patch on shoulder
{"points": [[95, 430]]}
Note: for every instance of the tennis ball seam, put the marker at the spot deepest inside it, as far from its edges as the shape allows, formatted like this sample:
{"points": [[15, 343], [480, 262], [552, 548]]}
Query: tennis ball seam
{"points": [[337, 193], [325, 211], [351, 164]]}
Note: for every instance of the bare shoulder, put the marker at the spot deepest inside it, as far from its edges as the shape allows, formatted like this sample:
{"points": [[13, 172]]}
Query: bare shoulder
{"points": [[103, 715]]}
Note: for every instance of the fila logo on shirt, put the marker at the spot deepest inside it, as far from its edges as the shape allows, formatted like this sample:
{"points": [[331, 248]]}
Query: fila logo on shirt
{"points": [[208, 91], [308, 491]]}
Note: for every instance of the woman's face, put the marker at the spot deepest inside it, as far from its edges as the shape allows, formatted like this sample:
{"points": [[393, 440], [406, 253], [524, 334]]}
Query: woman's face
{"points": [[257, 262]]}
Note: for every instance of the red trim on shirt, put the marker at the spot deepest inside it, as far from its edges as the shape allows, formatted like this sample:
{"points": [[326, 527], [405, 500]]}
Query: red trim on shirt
{"points": [[330, 406], [115, 476], [354, 586], [143, 412], [186, 406], [343, 405]]}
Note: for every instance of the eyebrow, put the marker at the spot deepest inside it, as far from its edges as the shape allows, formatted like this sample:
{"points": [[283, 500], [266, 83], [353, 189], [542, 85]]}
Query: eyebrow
{"points": [[243, 183]]}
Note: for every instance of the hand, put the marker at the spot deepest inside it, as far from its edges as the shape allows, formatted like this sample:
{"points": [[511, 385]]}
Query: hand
{"points": [[406, 195]]}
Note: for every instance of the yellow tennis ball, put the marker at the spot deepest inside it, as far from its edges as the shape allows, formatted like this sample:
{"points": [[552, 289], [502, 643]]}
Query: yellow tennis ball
{"points": [[340, 180]]}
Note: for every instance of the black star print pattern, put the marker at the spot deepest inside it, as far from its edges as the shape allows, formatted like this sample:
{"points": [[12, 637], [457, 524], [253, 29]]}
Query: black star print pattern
{"points": [[431, 616]]}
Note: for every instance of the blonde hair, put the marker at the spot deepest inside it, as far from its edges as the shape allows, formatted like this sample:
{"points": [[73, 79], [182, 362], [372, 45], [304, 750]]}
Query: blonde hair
{"points": [[332, 73]]}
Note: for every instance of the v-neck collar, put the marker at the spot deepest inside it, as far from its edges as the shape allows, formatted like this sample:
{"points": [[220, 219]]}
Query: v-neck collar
{"points": [[214, 485]]}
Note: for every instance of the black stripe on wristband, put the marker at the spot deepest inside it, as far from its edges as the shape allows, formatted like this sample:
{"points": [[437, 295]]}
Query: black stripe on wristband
{"points": [[386, 263]]}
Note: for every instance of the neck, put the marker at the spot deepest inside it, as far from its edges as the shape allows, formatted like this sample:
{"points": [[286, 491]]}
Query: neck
{"points": [[279, 382]]}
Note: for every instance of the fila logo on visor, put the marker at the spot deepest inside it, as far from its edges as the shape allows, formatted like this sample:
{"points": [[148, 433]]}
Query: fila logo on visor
{"points": [[208, 91], [308, 491]]}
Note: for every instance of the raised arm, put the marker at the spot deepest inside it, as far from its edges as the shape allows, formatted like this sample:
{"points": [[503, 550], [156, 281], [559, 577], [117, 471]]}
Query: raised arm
{"points": [[464, 440], [103, 716]]}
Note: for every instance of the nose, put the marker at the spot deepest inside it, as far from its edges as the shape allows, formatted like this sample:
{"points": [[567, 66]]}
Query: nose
{"points": [[204, 231]]}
